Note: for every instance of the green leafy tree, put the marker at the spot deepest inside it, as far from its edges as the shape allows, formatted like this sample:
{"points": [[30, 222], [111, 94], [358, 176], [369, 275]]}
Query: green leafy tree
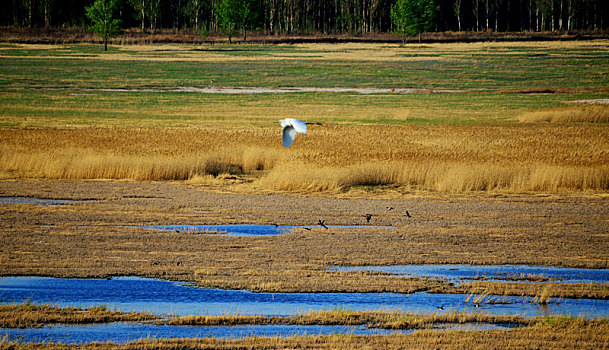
{"points": [[140, 7], [226, 16], [235, 14], [103, 21], [154, 12], [413, 17], [193, 10]]}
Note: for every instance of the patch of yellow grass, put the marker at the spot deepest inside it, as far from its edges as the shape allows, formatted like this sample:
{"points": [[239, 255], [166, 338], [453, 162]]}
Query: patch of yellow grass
{"points": [[438, 177], [78, 163], [579, 114], [329, 158]]}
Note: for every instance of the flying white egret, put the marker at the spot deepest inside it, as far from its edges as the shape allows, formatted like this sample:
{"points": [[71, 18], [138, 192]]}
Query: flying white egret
{"points": [[292, 126]]}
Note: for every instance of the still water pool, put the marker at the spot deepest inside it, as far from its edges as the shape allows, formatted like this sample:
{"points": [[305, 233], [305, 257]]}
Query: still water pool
{"points": [[247, 229], [33, 200]]}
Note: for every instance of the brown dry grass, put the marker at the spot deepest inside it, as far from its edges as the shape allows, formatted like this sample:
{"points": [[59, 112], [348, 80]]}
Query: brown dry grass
{"points": [[376, 319], [332, 158]]}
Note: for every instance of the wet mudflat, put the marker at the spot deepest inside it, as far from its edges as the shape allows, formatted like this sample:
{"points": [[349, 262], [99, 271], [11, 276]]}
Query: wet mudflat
{"points": [[165, 297], [103, 237]]}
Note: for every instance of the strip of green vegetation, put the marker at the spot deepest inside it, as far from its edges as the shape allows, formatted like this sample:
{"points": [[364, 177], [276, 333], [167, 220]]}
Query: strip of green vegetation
{"points": [[511, 68], [63, 107], [56, 86]]}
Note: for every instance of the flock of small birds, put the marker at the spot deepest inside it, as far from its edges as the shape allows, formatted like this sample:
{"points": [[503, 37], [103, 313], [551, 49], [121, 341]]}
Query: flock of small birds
{"points": [[368, 217], [389, 208]]}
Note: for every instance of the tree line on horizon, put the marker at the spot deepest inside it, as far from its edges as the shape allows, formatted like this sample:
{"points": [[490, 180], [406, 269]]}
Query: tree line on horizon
{"points": [[281, 17]]}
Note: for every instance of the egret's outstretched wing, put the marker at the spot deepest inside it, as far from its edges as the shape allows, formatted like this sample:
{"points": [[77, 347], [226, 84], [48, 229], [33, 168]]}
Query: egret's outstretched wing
{"points": [[289, 133], [298, 125]]}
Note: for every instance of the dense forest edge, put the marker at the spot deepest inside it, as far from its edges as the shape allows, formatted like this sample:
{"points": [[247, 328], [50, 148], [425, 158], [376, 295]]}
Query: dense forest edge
{"points": [[135, 36], [299, 21]]}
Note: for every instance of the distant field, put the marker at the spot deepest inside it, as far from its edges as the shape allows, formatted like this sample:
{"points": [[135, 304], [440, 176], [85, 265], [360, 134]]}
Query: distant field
{"points": [[449, 117]]}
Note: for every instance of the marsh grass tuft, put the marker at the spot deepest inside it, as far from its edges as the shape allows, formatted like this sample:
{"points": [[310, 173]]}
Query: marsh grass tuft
{"points": [[27, 315], [387, 319], [546, 293]]}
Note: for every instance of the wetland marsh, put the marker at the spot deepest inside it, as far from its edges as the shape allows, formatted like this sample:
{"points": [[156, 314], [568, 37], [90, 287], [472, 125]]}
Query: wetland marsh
{"points": [[484, 145]]}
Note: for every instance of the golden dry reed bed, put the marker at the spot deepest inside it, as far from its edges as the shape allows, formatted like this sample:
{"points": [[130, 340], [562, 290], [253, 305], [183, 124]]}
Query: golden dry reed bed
{"points": [[27, 315], [376, 319], [451, 159]]}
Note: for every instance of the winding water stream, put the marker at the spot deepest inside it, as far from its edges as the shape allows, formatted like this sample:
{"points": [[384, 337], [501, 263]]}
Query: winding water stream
{"points": [[122, 332], [165, 297]]}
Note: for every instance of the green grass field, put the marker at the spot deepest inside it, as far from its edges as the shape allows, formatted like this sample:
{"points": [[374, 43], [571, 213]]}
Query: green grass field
{"points": [[491, 83]]}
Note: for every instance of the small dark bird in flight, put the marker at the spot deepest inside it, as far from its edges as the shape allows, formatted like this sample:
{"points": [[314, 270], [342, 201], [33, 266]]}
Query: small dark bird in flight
{"points": [[441, 307], [322, 224], [408, 214], [389, 208], [368, 217]]}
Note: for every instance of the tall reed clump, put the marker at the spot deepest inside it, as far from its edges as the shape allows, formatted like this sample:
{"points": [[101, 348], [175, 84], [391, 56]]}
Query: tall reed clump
{"points": [[437, 176], [543, 298], [576, 114], [73, 163]]}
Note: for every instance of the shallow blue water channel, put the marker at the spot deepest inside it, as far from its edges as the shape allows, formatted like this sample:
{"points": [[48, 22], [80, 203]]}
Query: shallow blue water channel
{"points": [[458, 273], [122, 332], [165, 297]]}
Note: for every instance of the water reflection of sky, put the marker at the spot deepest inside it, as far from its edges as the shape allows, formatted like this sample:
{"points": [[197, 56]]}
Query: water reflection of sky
{"points": [[458, 273], [122, 332], [164, 297], [247, 229]]}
